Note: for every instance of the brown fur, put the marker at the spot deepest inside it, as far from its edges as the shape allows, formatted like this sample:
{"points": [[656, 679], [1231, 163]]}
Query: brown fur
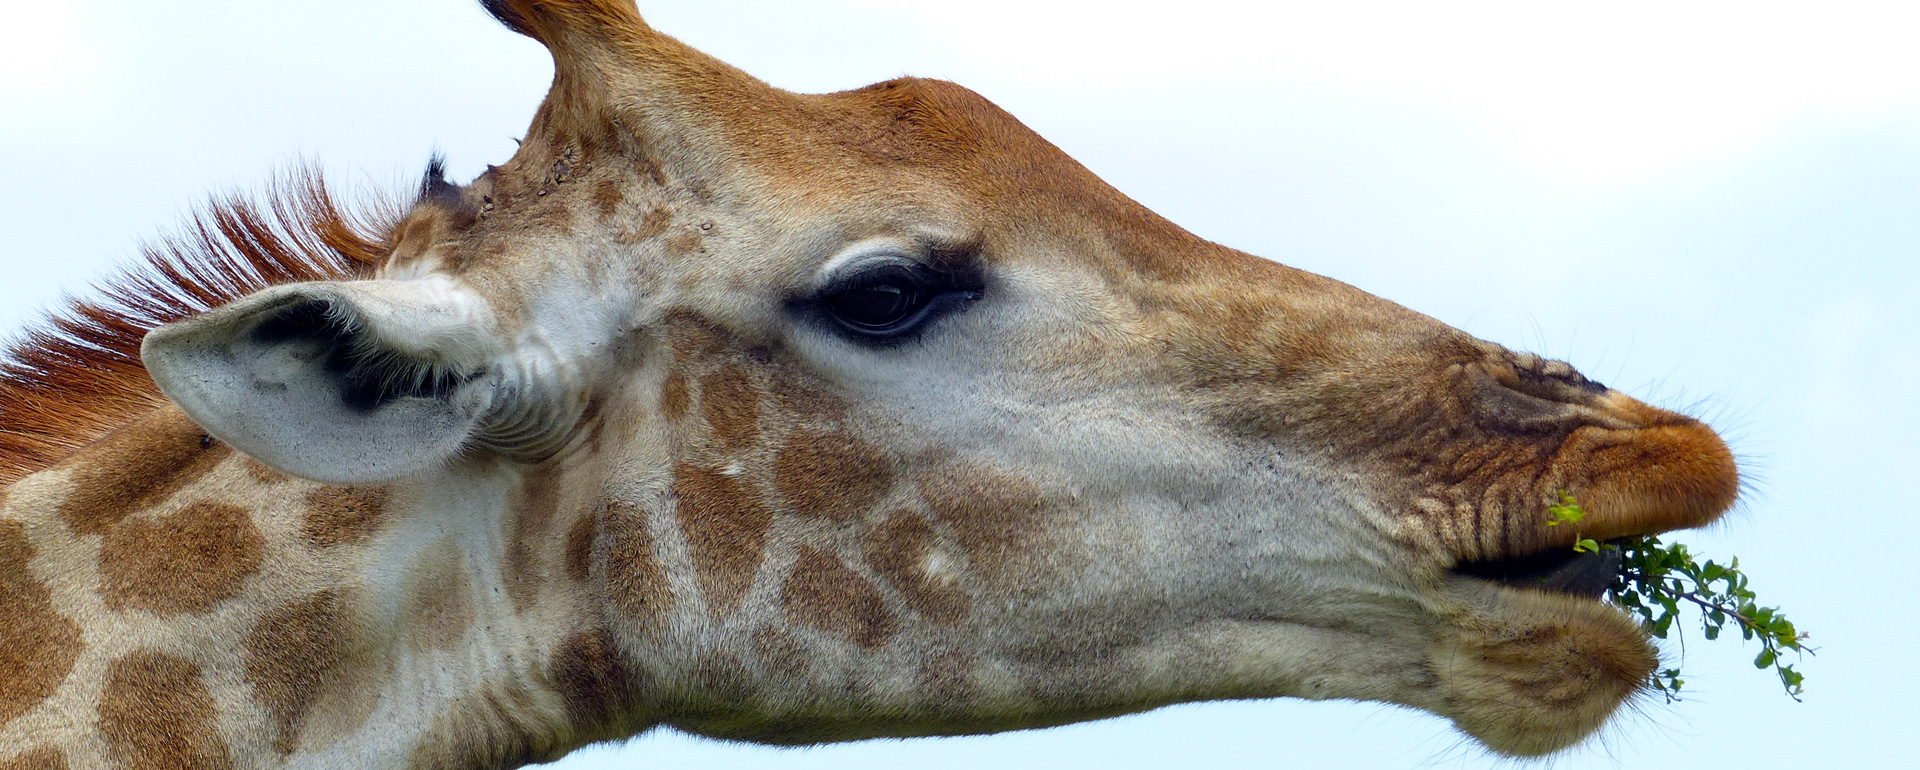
{"points": [[78, 376], [137, 467], [480, 730], [156, 714], [543, 20], [42, 758], [38, 645], [188, 561], [800, 396], [437, 604], [779, 650], [731, 406], [726, 528], [684, 245], [607, 197], [291, 654], [635, 578], [823, 594], [721, 677], [946, 678], [579, 553], [535, 504], [696, 339], [653, 224], [263, 473], [344, 515], [1515, 686], [898, 549], [417, 234], [348, 698], [996, 515], [593, 677], [834, 475], [673, 397]]}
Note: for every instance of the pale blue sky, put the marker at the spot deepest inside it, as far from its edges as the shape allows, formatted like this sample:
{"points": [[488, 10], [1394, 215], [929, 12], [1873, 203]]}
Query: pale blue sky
{"points": [[1712, 206]]}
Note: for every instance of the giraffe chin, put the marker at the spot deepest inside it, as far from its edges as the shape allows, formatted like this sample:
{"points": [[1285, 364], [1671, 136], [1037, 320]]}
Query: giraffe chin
{"points": [[1534, 672]]}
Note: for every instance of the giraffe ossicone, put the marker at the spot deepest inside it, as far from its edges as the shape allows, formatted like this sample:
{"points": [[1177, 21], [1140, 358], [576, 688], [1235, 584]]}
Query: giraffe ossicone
{"points": [[785, 418]]}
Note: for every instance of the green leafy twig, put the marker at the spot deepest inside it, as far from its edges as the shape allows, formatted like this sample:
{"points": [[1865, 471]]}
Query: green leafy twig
{"points": [[1656, 579]]}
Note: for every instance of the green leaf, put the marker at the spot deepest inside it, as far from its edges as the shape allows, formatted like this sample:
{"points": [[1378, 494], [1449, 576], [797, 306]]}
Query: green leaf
{"points": [[1659, 582]]}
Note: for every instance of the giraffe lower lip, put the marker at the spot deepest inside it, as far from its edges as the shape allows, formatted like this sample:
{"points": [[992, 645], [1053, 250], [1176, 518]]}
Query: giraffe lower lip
{"points": [[1561, 570]]}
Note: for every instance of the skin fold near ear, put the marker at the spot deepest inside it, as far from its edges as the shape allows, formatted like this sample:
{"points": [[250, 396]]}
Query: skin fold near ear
{"points": [[344, 382]]}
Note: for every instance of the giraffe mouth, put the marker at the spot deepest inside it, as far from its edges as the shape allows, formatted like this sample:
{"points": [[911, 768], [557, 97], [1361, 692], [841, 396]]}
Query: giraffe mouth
{"points": [[1559, 570]]}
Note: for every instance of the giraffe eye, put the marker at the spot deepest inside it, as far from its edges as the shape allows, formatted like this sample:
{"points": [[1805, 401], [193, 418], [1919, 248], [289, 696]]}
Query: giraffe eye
{"points": [[891, 300], [879, 306]]}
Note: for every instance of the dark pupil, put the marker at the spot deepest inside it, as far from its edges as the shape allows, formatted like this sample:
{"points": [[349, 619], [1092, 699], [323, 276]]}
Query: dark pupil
{"points": [[878, 305]]}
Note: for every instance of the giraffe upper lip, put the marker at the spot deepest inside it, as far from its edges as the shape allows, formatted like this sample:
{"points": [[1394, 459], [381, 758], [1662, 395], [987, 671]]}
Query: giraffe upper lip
{"points": [[1561, 570]]}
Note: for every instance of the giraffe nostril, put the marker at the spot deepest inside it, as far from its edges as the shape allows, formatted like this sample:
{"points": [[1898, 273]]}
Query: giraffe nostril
{"points": [[1544, 378], [1567, 379], [1563, 373], [1523, 392]]}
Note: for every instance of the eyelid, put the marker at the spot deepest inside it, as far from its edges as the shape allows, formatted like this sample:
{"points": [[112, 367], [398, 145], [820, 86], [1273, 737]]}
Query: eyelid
{"points": [[866, 272], [858, 253]]}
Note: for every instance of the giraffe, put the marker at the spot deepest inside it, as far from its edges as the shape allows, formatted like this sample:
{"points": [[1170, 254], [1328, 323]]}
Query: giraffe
{"points": [[782, 418]]}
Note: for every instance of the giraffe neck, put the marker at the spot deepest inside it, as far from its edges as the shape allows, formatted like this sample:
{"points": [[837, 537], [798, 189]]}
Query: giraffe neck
{"points": [[166, 602]]}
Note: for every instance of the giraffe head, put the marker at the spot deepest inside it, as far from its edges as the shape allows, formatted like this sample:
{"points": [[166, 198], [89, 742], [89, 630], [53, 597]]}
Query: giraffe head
{"points": [[896, 420]]}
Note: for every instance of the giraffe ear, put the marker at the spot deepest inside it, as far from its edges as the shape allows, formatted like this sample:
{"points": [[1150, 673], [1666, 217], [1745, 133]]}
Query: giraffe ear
{"points": [[345, 382]]}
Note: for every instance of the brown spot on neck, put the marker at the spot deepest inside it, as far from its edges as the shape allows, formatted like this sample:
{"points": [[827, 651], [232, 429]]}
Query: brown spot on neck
{"points": [[726, 529], [801, 396], [607, 197], [156, 714], [189, 561], [674, 400], [731, 406], [832, 474], [684, 244], [38, 645], [351, 694], [436, 608], [898, 549], [137, 467], [580, 539], [264, 473], [696, 339], [593, 678], [344, 515], [292, 654], [534, 506], [635, 582], [652, 225], [823, 594], [997, 516]]}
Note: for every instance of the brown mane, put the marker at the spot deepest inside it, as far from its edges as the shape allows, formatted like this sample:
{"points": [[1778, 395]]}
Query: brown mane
{"points": [[74, 377]]}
